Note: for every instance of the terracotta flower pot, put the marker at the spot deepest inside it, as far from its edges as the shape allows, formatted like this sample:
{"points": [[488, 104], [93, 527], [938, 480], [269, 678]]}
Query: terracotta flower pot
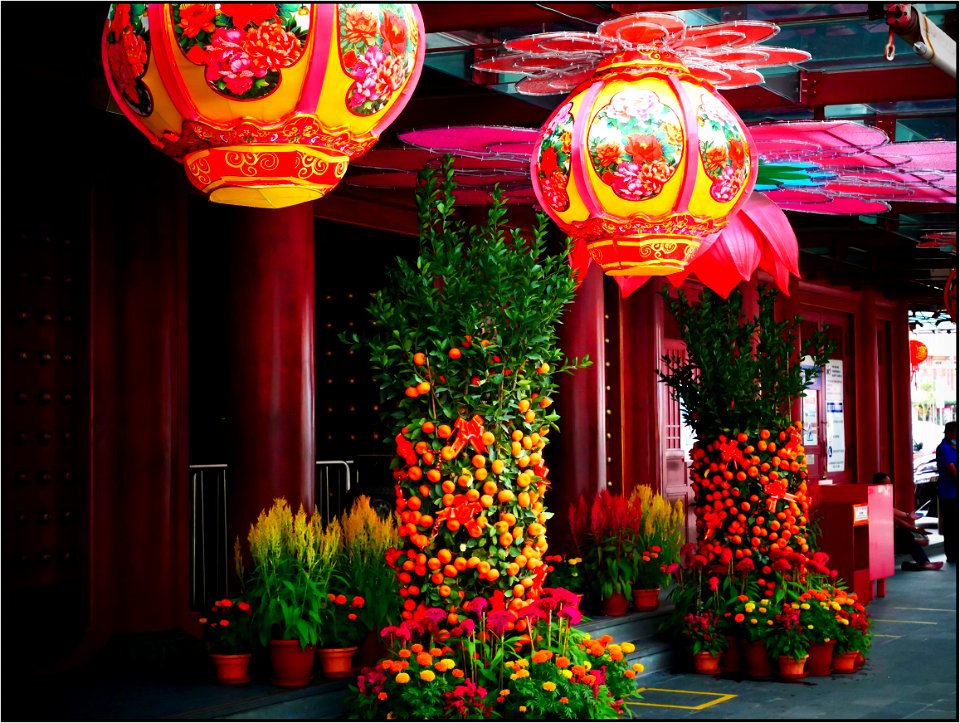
{"points": [[757, 660], [646, 599], [615, 606], [845, 663], [860, 660], [820, 662], [731, 659], [706, 663], [232, 669], [792, 668], [336, 662], [291, 665]]}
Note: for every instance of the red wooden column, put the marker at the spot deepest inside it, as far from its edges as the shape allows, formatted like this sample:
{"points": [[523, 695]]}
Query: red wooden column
{"points": [[139, 567], [577, 455], [641, 337], [270, 358], [867, 388], [901, 424]]}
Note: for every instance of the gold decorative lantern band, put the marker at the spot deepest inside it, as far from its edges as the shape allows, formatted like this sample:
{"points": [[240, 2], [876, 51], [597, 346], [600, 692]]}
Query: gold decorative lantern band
{"points": [[642, 162], [264, 103]]}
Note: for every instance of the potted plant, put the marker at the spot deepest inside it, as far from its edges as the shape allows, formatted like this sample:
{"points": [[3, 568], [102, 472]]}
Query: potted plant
{"points": [[604, 528], [227, 633], [656, 546], [293, 558], [790, 641], [341, 632], [818, 615], [756, 618], [854, 632], [362, 568]]}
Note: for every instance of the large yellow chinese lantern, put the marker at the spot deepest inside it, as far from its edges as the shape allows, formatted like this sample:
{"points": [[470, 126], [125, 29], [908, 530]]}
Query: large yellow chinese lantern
{"points": [[643, 161], [265, 104]]}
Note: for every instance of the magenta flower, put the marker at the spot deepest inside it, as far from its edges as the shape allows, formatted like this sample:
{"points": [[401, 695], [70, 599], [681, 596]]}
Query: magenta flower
{"points": [[498, 620]]}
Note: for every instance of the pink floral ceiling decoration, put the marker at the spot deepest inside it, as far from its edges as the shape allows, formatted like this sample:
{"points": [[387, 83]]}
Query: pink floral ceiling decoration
{"points": [[727, 55], [826, 167]]}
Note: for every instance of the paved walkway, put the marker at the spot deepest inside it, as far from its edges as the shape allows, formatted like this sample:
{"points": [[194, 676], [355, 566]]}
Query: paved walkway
{"points": [[911, 673]]}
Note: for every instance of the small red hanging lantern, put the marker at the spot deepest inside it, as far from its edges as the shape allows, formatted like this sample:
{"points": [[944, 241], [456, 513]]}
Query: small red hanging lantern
{"points": [[264, 104], [643, 161], [918, 353]]}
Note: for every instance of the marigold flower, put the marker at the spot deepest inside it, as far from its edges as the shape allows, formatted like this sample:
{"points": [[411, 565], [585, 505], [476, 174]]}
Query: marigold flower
{"points": [[638, 667], [549, 686], [404, 653], [579, 670], [382, 696], [417, 648], [568, 674], [564, 700], [505, 692], [402, 678], [562, 661], [456, 673], [424, 659], [628, 647], [428, 675], [542, 656], [522, 709]]}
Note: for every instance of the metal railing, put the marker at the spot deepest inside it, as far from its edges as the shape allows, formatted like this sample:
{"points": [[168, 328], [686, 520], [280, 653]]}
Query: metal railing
{"points": [[211, 553]]}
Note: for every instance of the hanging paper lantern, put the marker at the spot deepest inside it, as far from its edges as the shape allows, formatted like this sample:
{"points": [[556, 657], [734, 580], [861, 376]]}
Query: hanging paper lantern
{"points": [[918, 353], [642, 162], [264, 104]]}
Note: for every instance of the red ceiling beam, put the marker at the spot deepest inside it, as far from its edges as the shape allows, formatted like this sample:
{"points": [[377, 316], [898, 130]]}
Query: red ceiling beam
{"points": [[875, 85]]}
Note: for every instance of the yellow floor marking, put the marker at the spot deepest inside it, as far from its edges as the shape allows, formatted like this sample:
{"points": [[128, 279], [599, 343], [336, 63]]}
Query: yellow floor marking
{"points": [[908, 622], [929, 610], [719, 698]]}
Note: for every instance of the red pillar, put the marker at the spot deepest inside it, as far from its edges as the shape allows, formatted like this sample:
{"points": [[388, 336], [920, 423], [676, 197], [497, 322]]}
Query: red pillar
{"points": [[577, 455], [902, 422], [270, 358], [139, 531], [641, 335], [867, 388]]}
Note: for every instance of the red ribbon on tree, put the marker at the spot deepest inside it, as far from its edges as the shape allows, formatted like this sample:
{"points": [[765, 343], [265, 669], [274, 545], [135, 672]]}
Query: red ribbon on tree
{"points": [[469, 432], [405, 450]]}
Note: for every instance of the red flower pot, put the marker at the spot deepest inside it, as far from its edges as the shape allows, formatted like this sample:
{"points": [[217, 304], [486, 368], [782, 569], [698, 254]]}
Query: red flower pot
{"points": [[820, 662], [615, 606], [860, 660], [336, 662], [291, 665], [731, 659], [792, 668], [646, 599], [845, 663], [757, 660], [706, 663], [232, 669]]}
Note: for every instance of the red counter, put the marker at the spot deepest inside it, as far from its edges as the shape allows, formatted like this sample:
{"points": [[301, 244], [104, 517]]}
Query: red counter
{"points": [[856, 526]]}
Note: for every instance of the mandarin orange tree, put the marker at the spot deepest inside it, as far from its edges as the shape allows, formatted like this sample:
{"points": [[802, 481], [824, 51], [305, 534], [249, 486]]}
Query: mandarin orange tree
{"points": [[466, 353], [737, 383]]}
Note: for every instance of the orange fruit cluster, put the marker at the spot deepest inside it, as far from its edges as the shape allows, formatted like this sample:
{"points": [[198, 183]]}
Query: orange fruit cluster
{"points": [[750, 495], [470, 497]]}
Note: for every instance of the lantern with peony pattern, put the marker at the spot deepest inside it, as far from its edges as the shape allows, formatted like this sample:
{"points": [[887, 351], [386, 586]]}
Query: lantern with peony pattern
{"points": [[643, 161], [264, 104]]}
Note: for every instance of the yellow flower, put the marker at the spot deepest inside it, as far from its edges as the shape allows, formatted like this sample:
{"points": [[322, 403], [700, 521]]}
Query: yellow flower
{"points": [[753, 621], [763, 610], [638, 667], [567, 674], [428, 675], [550, 686], [402, 678], [522, 709], [749, 607], [804, 606], [505, 692], [628, 647]]}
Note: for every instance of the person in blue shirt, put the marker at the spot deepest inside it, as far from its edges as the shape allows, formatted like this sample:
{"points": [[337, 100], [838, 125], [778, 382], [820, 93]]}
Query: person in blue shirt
{"points": [[947, 490]]}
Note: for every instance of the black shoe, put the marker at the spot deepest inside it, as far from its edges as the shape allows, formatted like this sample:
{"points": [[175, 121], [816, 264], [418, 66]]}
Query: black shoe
{"points": [[911, 566]]}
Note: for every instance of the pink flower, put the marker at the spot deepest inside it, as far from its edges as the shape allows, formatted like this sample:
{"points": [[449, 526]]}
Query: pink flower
{"points": [[554, 189], [227, 60], [390, 76], [498, 620]]}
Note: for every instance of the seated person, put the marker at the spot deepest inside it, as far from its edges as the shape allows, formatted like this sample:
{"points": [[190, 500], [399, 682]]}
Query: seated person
{"points": [[905, 540]]}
